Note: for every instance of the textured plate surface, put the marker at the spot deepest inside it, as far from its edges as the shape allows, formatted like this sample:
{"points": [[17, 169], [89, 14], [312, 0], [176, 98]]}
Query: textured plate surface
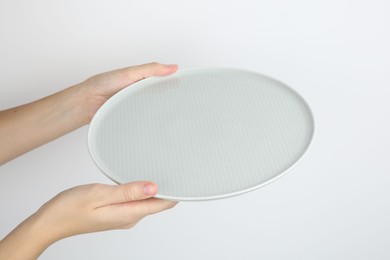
{"points": [[201, 134]]}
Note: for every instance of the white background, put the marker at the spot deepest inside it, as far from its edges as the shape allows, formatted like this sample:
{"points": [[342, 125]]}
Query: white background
{"points": [[335, 53]]}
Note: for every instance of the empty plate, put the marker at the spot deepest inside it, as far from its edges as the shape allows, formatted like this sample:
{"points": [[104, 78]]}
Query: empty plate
{"points": [[201, 134]]}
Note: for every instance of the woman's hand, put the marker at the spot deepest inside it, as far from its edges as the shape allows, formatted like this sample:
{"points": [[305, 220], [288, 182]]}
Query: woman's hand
{"points": [[28, 126], [82, 209], [99, 88], [99, 207]]}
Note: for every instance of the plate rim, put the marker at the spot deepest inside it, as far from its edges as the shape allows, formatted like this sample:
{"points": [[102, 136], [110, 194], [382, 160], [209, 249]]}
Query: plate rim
{"points": [[139, 84]]}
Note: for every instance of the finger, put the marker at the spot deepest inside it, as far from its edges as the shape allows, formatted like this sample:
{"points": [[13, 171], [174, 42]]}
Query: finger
{"points": [[127, 214], [143, 208], [155, 205], [128, 192], [139, 72]]}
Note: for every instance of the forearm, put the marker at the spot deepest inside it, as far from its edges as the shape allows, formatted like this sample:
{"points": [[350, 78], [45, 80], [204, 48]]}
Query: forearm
{"points": [[26, 241], [28, 126]]}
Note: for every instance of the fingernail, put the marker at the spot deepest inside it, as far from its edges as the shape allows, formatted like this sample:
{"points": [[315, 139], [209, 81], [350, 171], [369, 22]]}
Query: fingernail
{"points": [[148, 189]]}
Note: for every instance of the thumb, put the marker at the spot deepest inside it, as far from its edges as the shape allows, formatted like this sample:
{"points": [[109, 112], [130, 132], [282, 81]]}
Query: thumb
{"points": [[132, 191], [139, 72]]}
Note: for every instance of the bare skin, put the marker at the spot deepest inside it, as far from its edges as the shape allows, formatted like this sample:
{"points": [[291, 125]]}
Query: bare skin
{"points": [[86, 208]]}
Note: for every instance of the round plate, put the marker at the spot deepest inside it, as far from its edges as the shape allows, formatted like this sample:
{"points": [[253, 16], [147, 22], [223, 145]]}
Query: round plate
{"points": [[201, 134]]}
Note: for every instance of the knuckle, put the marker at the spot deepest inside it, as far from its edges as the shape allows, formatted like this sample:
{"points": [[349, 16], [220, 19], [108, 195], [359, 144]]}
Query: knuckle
{"points": [[95, 190], [96, 186], [154, 64], [129, 194]]}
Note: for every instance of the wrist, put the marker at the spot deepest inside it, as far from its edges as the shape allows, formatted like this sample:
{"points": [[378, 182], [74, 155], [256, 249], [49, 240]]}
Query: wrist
{"points": [[75, 108], [28, 240], [40, 227]]}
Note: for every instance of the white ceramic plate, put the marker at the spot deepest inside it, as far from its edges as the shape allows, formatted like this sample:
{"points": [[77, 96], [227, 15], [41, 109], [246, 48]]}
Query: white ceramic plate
{"points": [[201, 134]]}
